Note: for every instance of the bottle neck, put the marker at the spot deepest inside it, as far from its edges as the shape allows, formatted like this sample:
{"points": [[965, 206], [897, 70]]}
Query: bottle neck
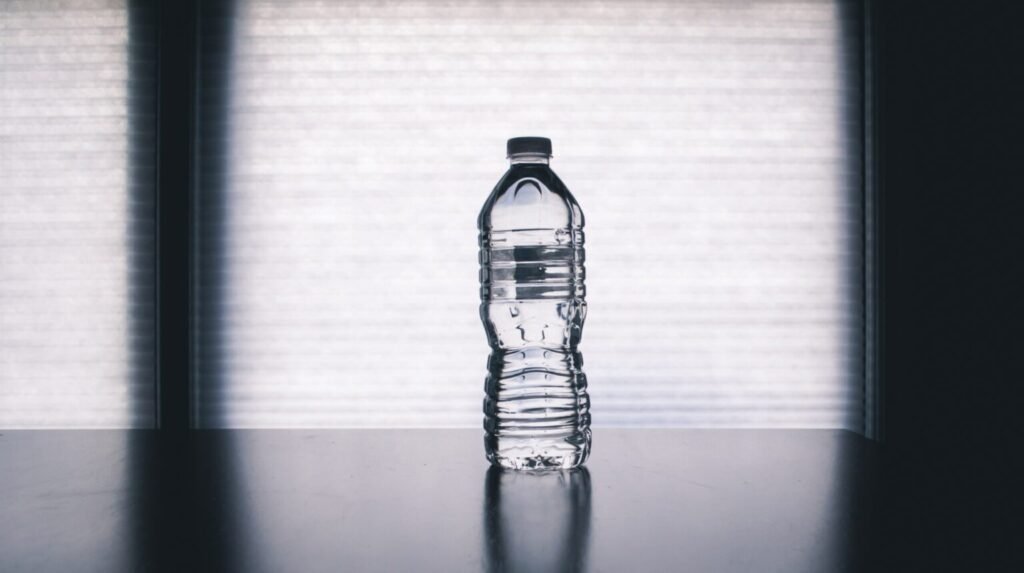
{"points": [[529, 159]]}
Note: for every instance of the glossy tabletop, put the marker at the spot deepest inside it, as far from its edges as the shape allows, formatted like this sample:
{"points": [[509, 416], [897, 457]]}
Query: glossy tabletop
{"points": [[425, 500]]}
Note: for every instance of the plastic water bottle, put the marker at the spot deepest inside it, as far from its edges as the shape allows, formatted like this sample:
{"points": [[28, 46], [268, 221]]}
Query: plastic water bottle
{"points": [[536, 408]]}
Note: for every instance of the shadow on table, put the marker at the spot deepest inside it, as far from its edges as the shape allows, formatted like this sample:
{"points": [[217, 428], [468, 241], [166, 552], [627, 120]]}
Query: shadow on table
{"points": [[186, 509], [536, 521]]}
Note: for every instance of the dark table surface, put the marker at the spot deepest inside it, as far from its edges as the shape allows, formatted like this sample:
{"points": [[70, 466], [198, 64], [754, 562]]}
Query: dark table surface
{"points": [[425, 500]]}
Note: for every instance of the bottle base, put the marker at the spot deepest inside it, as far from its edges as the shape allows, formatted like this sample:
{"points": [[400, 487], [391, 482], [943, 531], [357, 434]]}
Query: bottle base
{"points": [[538, 453]]}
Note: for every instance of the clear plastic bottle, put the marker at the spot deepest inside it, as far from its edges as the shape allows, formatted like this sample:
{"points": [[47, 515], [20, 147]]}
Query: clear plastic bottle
{"points": [[536, 408]]}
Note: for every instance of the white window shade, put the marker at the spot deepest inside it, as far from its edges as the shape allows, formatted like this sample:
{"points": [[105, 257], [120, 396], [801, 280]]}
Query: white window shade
{"points": [[346, 148], [76, 214]]}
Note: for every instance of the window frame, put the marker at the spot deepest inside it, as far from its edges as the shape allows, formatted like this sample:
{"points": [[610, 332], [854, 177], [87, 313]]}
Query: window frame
{"points": [[179, 26]]}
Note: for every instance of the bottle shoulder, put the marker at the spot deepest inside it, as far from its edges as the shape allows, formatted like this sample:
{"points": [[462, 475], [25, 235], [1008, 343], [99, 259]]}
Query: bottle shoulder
{"points": [[530, 197]]}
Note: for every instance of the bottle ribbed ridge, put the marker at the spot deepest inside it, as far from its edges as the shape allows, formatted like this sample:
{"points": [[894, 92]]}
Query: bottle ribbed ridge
{"points": [[536, 406]]}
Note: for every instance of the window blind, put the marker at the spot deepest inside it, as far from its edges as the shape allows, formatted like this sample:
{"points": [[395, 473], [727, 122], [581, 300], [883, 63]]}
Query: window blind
{"points": [[346, 148], [76, 200]]}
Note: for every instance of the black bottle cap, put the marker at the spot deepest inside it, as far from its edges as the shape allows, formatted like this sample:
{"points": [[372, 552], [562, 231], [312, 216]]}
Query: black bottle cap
{"points": [[538, 145]]}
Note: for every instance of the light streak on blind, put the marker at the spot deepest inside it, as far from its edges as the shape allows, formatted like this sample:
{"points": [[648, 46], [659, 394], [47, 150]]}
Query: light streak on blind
{"points": [[347, 147], [76, 200]]}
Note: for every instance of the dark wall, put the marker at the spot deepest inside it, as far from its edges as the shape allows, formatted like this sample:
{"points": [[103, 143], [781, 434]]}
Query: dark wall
{"points": [[949, 159]]}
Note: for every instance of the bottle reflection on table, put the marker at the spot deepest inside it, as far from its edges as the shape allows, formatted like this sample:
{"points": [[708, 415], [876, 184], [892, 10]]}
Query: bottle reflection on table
{"points": [[536, 521]]}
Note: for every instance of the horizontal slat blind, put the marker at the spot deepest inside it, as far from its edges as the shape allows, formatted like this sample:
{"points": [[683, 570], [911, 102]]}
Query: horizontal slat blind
{"points": [[346, 149], [76, 200]]}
